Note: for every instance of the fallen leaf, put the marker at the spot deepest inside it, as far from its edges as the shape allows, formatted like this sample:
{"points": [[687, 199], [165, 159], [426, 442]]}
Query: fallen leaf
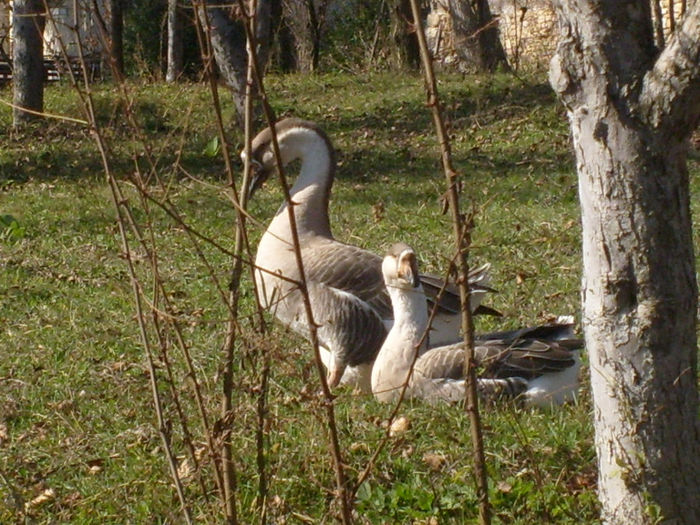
{"points": [[504, 486], [399, 426], [185, 470], [378, 211], [45, 496], [434, 460]]}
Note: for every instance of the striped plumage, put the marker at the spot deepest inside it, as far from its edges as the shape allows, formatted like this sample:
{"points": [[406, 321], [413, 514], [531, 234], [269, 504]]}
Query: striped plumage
{"points": [[346, 288]]}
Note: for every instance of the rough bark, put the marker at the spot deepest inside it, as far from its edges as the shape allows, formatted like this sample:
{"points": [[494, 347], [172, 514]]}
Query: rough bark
{"points": [[116, 35], [476, 36], [631, 111], [175, 44], [229, 44], [404, 35], [27, 59], [287, 54], [302, 25]]}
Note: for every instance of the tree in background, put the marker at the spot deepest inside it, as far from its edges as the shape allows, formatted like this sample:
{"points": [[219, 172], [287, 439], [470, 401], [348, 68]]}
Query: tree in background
{"points": [[28, 74], [305, 21], [116, 35], [175, 42], [475, 34], [632, 108], [403, 34], [228, 41]]}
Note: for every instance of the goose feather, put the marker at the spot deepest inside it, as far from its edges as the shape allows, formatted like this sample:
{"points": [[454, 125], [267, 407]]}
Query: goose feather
{"points": [[346, 288], [540, 363]]}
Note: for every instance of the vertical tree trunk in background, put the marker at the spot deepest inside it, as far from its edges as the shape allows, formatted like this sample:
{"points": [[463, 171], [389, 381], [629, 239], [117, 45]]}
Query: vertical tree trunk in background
{"points": [[404, 35], [175, 49], [285, 39], [116, 35], [228, 42], [631, 111], [27, 59], [475, 34], [317, 18]]}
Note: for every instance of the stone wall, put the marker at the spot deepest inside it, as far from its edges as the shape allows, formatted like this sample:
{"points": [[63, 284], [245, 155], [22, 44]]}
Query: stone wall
{"points": [[528, 30]]}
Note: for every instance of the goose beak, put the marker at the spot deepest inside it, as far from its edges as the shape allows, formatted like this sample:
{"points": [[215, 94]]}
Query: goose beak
{"points": [[258, 177]]}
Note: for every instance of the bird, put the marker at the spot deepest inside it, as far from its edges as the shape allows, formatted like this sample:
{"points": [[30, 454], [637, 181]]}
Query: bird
{"points": [[349, 301], [537, 364]]}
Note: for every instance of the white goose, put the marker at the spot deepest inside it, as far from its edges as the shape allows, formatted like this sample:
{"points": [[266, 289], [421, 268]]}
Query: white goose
{"points": [[348, 297], [543, 371]]}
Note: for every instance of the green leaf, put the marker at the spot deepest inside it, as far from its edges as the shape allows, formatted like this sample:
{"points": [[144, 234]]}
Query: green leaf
{"points": [[212, 148]]}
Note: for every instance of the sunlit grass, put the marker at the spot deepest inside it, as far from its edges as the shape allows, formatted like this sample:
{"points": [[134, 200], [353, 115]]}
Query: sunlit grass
{"points": [[75, 406]]}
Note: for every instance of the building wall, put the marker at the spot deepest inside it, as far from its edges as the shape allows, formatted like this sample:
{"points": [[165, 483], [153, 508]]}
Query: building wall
{"points": [[59, 29]]}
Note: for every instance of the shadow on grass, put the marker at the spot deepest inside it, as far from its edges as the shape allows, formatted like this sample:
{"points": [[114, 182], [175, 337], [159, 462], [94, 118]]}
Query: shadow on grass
{"points": [[399, 121]]}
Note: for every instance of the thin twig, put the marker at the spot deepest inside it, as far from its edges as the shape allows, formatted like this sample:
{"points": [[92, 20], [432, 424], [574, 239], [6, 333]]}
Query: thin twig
{"points": [[341, 480], [229, 470], [462, 228]]}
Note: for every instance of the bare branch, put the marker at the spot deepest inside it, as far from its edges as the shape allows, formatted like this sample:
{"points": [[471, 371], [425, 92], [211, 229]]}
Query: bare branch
{"points": [[670, 94]]}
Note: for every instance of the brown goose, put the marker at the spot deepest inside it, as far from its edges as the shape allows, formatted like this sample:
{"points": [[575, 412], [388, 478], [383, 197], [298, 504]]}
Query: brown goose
{"points": [[543, 371], [349, 301]]}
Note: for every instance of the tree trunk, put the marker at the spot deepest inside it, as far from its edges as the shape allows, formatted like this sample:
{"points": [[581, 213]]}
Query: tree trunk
{"points": [[116, 35], [27, 59], [631, 111], [475, 34], [285, 38], [228, 42], [404, 35], [175, 47]]}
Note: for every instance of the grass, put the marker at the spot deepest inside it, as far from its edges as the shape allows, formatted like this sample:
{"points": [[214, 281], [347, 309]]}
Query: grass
{"points": [[76, 419]]}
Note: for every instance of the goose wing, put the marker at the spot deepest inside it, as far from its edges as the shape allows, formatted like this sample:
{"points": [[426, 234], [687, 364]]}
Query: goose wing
{"points": [[498, 358], [346, 324], [359, 272], [560, 332], [449, 302], [444, 362], [527, 358], [349, 269]]}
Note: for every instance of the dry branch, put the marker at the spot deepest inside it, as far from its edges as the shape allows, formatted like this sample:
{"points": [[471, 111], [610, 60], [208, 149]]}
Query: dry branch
{"points": [[462, 233]]}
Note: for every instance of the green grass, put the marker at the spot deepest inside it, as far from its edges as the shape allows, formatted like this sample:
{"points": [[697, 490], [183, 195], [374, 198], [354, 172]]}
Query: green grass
{"points": [[76, 412]]}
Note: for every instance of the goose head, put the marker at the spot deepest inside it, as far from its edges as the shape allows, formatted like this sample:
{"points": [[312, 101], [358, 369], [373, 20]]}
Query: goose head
{"points": [[296, 138], [400, 267]]}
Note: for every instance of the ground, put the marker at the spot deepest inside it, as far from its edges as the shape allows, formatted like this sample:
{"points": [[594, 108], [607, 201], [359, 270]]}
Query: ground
{"points": [[78, 436]]}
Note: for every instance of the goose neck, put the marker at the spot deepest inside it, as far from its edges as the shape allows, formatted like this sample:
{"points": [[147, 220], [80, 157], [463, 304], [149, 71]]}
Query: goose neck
{"points": [[311, 190], [410, 312]]}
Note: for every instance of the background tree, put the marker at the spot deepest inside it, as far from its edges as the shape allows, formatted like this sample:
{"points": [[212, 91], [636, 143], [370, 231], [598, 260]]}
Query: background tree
{"points": [[403, 34], [116, 35], [286, 53], [475, 35], [631, 110], [28, 74], [228, 41], [175, 42]]}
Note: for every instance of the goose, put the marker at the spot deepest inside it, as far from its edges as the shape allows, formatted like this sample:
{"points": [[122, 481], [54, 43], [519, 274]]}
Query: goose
{"points": [[541, 364], [349, 301]]}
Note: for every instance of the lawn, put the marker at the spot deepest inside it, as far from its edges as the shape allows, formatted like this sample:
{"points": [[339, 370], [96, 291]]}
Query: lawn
{"points": [[79, 440]]}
